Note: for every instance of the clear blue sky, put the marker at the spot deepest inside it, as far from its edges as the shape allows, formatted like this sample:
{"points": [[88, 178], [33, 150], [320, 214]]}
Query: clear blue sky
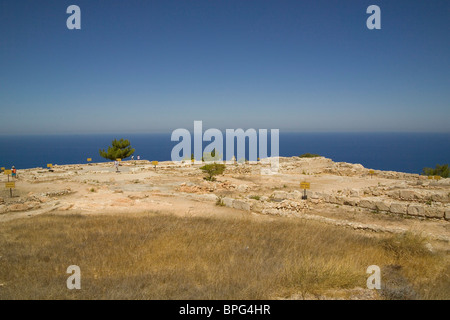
{"points": [[154, 66]]}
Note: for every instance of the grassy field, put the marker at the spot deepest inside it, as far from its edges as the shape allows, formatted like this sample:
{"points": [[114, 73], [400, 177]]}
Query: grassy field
{"points": [[158, 256]]}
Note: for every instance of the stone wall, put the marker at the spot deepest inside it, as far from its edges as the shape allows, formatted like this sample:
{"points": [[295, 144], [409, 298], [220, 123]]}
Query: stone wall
{"points": [[291, 201]]}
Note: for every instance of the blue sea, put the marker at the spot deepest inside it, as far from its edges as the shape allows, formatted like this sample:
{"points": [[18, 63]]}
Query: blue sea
{"points": [[405, 152]]}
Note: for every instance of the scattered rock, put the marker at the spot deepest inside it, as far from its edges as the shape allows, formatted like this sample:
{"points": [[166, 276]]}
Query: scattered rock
{"points": [[57, 193], [32, 205], [138, 197], [66, 207], [43, 199]]}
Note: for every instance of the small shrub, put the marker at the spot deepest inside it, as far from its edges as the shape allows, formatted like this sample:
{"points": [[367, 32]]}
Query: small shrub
{"points": [[212, 169], [219, 202], [309, 155], [255, 197]]}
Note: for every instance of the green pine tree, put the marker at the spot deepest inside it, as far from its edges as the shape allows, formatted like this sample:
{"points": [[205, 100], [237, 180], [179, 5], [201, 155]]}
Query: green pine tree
{"points": [[442, 171], [120, 149]]}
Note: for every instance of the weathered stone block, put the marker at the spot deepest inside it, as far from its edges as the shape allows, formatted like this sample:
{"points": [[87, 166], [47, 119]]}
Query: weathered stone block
{"points": [[336, 200], [228, 202], [257, 207], [383, 206], [397, 207], [280, 195], [416, 210], [440, 197], [241, 205], [368, 204], [17, 207], [326, 198], [351, 202], [393, 194], [312, 195], [408, 195], [433, 212], [206, 197], [294, 195]]}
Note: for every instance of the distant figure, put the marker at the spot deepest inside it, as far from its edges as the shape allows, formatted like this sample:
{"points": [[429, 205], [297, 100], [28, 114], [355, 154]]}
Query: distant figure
{"points": [[13, 172], [132, 157], [139, 157], [116, 164]]}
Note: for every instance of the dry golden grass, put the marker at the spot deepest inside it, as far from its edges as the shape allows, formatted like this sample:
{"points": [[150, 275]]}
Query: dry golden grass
{"points": [[166, 257]]}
